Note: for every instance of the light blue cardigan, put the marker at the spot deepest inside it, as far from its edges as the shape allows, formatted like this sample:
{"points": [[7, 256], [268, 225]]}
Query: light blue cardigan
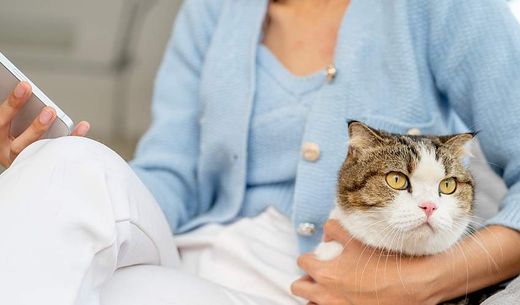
{"points": [[436, 65]]}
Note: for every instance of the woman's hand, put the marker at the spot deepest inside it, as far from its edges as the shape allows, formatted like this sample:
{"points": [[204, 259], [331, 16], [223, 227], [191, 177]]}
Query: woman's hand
{"points": [[10, 147], [363, 275]]}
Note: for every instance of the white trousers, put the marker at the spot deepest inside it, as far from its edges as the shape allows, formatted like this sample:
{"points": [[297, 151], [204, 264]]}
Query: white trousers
{"points": [[78, 227]]}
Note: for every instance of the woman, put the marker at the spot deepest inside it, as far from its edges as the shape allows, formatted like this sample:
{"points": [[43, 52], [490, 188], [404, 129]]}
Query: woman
{"points": [[236, 99]]}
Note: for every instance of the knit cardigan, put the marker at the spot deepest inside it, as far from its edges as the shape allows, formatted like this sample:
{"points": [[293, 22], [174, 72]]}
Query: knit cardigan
{"points": [[440, 67]]}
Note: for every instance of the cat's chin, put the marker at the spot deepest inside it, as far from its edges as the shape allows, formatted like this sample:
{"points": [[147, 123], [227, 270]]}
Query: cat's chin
{"points": [[420, 241]]}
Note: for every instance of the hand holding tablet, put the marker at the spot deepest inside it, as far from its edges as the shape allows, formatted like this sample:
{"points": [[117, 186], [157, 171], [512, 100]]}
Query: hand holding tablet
{"points": [[27, 114]]}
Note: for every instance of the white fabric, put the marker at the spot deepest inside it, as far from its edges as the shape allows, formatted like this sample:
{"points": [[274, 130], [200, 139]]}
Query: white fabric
{"points": [[72, 213], [220, 265], [490, 189], [254, 255]]}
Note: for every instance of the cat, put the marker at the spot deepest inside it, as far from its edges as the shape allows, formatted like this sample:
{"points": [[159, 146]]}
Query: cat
{"points": [[416, 187]]}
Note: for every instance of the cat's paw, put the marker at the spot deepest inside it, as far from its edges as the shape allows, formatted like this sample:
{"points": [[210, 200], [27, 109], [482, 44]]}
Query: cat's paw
{"points": [[328, 250]]}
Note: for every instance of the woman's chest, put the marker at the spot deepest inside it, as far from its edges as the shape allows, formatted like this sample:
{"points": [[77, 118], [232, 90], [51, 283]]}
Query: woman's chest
{"points": [[382, 78]]}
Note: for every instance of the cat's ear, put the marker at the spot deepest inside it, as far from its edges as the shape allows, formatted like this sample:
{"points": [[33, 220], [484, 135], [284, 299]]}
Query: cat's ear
{"points": [[363, 137], [458, 144]]}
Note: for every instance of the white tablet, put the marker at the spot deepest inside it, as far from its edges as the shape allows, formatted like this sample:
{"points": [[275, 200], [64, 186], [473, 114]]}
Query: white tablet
{"points": [[10, 76]]}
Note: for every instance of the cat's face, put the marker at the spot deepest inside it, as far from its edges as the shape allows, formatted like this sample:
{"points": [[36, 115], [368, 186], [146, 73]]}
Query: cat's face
{"points": [[410, 194]]}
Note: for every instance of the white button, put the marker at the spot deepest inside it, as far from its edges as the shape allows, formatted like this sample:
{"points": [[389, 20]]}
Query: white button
{"points": [[311, 152], [331, 72], [306, 229], [414, 132]]}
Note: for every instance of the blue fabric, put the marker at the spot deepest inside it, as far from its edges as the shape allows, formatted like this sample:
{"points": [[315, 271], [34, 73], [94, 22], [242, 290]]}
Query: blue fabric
{"points": [[280, 107], [441, 66]]}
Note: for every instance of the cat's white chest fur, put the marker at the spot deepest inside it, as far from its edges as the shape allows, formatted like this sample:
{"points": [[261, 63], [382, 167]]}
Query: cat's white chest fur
{"points": [[367, 229], [330, 249]]}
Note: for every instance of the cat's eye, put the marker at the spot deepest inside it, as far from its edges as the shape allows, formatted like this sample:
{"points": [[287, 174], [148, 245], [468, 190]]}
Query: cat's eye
{"points": [[448, 186], [397, 180]]}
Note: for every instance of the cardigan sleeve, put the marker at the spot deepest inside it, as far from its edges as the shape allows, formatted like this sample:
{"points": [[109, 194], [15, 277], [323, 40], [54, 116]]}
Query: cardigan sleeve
{"points": [[475, 60], [166, 156]]}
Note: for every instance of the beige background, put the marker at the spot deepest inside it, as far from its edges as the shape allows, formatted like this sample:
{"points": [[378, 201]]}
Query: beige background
{"points": [[96, 59]]}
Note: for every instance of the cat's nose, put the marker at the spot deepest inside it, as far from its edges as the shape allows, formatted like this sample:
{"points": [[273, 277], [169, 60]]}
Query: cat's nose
{"points": [[428, 207]]}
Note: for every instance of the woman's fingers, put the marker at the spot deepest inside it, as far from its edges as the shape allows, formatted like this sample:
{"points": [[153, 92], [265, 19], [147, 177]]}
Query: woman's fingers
{"points": [[315, 293], [14, 102], [37, 129], [10, 148], [8, 110], [308, 263], [333, 231], [305, 288], [316, 269], [81, 129]]}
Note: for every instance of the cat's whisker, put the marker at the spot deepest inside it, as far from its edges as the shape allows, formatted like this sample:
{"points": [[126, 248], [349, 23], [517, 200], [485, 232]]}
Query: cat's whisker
{"points": [[481, 246], [399, 265], [375, 276], [338, 263], [366, 264], [495, 238], [452, 254], [365, 247], [470, 216], [467, 268], [477, 160], [356, 282], [394, 236]]}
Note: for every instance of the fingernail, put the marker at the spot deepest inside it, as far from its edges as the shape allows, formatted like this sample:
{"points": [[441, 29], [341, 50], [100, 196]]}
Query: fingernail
{"points": [[46, 117], [83, 129], [20, 91]]}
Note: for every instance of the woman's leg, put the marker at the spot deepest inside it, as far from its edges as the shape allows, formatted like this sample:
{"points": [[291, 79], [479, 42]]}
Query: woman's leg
{"points": [[154, 285], [250, 261], [71, 213]]}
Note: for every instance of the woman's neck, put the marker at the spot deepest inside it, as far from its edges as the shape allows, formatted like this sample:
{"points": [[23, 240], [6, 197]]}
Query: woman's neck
{"points": [[303, 33]]}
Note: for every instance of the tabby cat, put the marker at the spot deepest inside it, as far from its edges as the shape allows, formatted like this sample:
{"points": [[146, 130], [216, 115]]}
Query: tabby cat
{"points": [[416, 187]]}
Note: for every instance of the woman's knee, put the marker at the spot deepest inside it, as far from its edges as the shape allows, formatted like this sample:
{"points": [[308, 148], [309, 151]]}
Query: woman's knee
{"points": [[63, 181], [80, 171], [69, 165], [70, 150]]}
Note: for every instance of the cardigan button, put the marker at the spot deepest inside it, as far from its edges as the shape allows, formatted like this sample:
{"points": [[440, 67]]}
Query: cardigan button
{"points": [[414, 132], [306, 229], [311, 152], [330, 72]]}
